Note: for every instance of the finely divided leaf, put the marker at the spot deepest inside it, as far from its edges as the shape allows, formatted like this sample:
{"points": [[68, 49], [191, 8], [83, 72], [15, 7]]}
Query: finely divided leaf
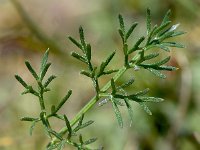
{"points": [[148, 21], [157, 73], [177, 33], [121, 22], [121, 35], [151, 56], [166, 17], [44, 119], [105, 63], [130, 111], [86, 73], [44, 71], [88, 52], [75, 42], [113, 86], [63, 100], [79, 57], [32, 127], [161, 27], [20, 80], [83, 125], [156, 65], [168, 68], [81, 120], [51, 146], [131, 30], [61, 145], [126, 84], [81, 139], [110, 71], [32, 71], [164, 61], [173, 44], [164, 47], [51, 78], [137, 44], [82, 38], [28, 119], [110, 57], [118, 102], [90, 141], [44, 60], [117, 114], [53, 109], [122, 28], [151, 99], [30, 90], [141, 93], [145, 107], [57, 135], [165, 36], [151, 34], [68, 127]]}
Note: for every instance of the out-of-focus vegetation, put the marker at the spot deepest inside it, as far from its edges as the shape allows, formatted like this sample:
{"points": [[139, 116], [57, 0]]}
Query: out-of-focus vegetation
{"points": [[27, 28]]}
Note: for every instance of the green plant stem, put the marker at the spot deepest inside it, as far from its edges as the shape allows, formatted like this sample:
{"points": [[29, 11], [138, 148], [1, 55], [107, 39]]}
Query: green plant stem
{"points": [[42, 103], [41, 98], [92, 102]]}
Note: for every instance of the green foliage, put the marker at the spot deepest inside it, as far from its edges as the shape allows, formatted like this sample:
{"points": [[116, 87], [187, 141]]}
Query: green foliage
{"points": [[136, 57], [44, 117]]}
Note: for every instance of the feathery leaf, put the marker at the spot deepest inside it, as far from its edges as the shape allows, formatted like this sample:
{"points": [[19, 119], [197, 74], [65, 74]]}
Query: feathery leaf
{"points": [[44, 60], [32, 71], [148, 21], [117, 114], [130, 31]]}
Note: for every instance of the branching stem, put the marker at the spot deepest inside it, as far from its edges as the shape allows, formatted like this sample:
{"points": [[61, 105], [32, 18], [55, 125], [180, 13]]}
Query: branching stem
{"points": [[155, 39], [93, 101]]}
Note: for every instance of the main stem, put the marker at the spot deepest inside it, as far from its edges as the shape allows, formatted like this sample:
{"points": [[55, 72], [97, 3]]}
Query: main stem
{"points": [[42, 106], [93, 101]]}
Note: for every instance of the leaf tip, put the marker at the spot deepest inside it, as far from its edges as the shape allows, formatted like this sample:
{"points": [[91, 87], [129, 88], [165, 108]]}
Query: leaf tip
{"points": [[47, 51]]}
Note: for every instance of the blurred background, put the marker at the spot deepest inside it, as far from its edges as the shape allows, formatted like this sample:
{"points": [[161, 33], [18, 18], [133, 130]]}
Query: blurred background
{"points": [[29, 27]]}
